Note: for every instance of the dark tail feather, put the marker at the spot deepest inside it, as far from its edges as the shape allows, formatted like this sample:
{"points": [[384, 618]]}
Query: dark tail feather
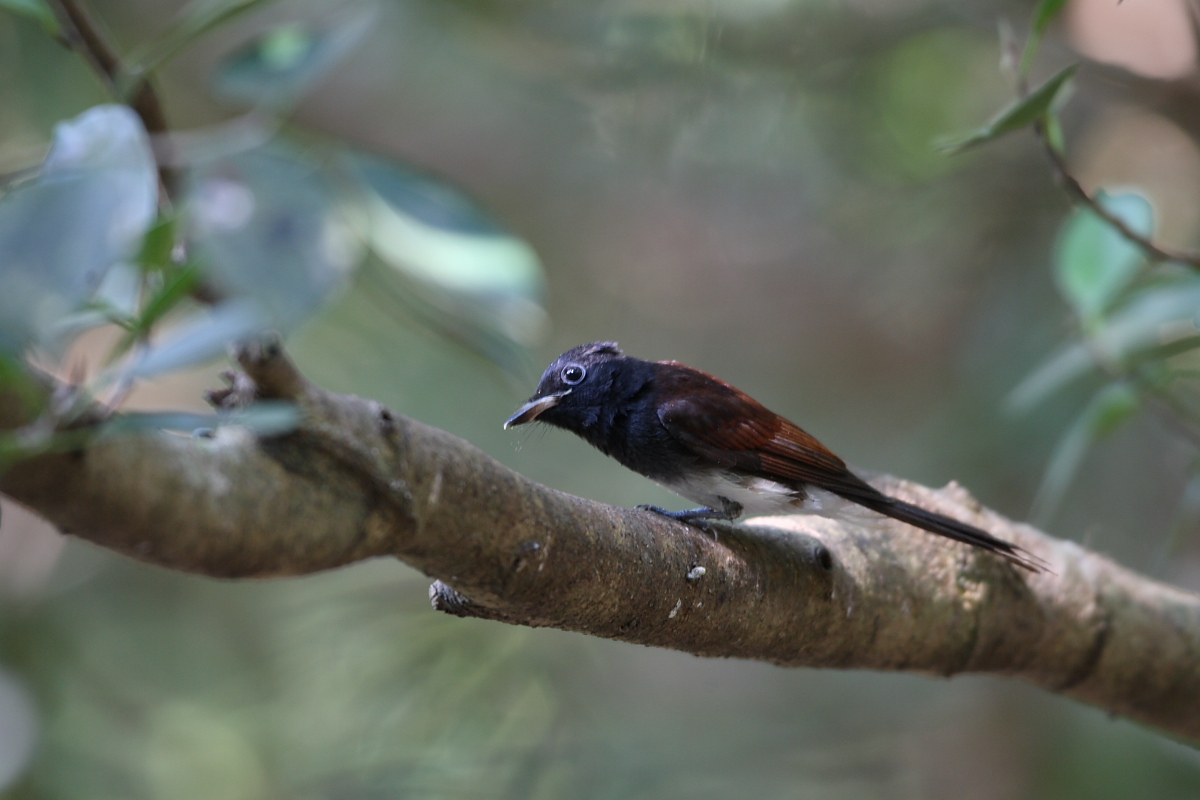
{"points": [[951, 529]]}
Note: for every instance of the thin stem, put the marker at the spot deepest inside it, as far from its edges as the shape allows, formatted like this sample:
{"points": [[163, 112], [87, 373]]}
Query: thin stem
{"points": [[1081, 195], [83, 36]]}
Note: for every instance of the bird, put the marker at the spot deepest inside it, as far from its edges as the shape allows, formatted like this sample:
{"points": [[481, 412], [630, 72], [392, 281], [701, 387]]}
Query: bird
{"points": [[713, 444]]}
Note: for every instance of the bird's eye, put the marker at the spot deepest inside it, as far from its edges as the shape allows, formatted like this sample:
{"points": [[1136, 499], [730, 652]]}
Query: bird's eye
{"points": [[573, 374]]}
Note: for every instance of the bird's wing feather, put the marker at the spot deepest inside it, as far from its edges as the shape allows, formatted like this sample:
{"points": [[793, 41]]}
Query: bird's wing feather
{"points": [[732, 429]]}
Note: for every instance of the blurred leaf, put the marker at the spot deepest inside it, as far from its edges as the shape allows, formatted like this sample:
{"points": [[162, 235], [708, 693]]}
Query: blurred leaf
{"points": [[265, 418], [269, 229], [196, 19], [15, 379], [158, 246], [1106, 412], [1045, 13], [1054, 131], [20, 723], [200, 339], [1144, 321], [34, 9], [1020, 114], [88, 209], [278, 67], [456, 268], [177, 286], [1094, 262]]}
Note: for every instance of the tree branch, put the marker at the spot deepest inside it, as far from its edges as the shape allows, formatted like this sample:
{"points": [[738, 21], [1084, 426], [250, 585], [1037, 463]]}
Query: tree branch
{"points": [[356, 482]]}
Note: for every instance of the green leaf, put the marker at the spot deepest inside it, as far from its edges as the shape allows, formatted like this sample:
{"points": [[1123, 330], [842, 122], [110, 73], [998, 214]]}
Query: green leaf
{"points": [[1105, 413], [199, 339], [61, 233], [269, 229], [158, 246], [196, 19], [452, 265], [1094, 262], [1021, 114], [1045, 13], [278, 67], [1143, 322], [173, 291], [34, 9]]}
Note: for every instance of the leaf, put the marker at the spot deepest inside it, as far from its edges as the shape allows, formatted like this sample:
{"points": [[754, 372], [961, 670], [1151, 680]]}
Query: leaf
{"points": [[60, 233], [33, 9], [198, 340], [278, 67], [1094, 262], [1111, 407], [1021, 114], [265, 418], [1144, 321], [177, 287], [269, 230], [158, 246], [452, 265], [196, 19], [1045, 13]]}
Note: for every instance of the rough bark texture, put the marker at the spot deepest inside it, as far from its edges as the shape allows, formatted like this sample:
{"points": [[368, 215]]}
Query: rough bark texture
{"points": [[356, 481]]}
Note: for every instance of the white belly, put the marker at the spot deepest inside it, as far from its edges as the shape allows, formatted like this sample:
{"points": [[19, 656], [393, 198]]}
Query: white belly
{"points": [[758, 496]]}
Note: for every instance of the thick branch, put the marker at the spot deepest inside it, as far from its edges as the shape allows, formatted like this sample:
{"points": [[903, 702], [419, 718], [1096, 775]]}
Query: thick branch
{"points": [[356, 482]]}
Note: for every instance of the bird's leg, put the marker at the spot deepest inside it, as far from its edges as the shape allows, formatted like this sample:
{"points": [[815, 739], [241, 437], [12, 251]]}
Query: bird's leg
{"points": [[698, 517]]}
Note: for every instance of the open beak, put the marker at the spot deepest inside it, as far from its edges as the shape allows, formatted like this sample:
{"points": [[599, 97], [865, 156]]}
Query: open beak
{"points": [[535, 408]]}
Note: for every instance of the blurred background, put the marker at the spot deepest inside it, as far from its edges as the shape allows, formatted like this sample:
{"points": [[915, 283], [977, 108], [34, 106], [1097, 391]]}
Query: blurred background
{"points": [[748, 186]]}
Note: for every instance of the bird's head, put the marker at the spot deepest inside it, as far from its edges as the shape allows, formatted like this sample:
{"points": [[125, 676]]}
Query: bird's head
{"points": [[573, 389]]}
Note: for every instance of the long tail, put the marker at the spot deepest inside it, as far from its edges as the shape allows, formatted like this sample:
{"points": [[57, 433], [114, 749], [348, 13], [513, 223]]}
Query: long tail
{"points": [[946, 526]]}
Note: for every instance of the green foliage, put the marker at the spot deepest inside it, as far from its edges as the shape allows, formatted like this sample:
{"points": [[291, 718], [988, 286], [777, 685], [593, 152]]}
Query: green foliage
{"points": [[1108, 410], [473, 280], [34, 9], [1044, 13], [61, 232], [277, 67], [1134, 321], [194, 21], [1095, 263], [1020, 114]]}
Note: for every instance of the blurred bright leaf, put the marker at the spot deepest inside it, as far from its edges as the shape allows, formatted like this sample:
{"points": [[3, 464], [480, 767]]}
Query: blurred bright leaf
{"points": [[34, 9], [1108, 410], [1021, 114], [278, 67], [455, 267], [269, 228], [1094, 262], [199, 339], [265, 418], [1151, 318], [61, 233]]}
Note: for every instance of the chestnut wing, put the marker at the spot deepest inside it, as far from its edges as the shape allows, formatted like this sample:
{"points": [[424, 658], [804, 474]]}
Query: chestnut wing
{"points": [[728, 427]]}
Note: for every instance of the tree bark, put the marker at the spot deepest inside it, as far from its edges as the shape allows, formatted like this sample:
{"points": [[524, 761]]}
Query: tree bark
{"points": [[355, 481]]}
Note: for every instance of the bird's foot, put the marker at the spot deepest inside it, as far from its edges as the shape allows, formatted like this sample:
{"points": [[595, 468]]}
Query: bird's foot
{"points": [[699, 517]]}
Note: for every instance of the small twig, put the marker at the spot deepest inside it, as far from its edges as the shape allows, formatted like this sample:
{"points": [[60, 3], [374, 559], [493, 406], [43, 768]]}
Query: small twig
{"points": [[1081, 195], [83, 36]]}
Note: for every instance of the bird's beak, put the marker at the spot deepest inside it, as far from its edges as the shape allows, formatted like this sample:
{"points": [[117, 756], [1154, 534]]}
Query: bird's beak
{"points": [[535, 408]]}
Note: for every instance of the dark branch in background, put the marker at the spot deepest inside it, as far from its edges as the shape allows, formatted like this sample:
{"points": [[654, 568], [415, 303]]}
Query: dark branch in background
{"points": [[356, 481], [83, 36]]}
